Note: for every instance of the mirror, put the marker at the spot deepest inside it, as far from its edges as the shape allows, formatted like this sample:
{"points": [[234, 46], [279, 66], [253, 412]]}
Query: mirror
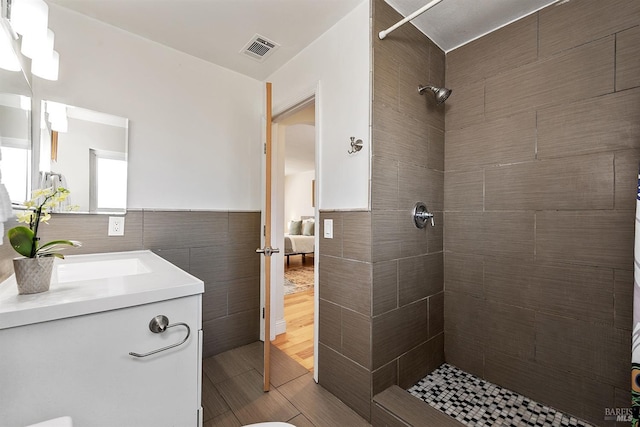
{"points": [[84, 151], [15, 134]]}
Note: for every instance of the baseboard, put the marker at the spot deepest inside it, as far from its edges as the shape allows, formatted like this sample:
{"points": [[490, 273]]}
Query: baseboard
{"points": [[281, 326]]}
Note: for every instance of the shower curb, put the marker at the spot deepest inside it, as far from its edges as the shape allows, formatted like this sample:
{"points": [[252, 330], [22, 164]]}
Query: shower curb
{"points": [[394, 407]]}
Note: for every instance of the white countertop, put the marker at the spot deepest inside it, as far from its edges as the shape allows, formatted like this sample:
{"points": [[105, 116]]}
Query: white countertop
{"points": [[145, 278]]}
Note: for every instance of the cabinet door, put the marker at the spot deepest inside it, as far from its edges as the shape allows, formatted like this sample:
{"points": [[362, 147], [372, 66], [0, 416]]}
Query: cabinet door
{"points": [[81, 367]]}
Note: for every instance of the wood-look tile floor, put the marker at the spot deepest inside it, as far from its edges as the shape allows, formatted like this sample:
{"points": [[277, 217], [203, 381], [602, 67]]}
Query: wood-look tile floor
{"points": [[232, 392]]}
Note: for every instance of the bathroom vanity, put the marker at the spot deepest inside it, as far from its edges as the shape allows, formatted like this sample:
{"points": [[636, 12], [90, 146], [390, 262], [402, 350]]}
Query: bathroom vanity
{"points": [[87, 348]]}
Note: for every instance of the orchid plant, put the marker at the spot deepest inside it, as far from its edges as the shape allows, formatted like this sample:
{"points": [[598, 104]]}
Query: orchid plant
{"points": [[25, 240]]}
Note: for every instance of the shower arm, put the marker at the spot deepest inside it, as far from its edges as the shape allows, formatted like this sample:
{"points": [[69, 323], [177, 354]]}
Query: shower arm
{"points": [[382, 34]]}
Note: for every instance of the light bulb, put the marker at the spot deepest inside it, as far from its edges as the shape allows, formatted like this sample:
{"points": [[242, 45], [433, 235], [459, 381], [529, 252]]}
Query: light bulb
{"points": [[25, 103], [47, 67], [30, 17], [37, 46], [60, 124], [8, 58]]}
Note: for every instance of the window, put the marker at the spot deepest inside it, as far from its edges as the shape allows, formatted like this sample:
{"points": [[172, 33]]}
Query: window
{"points": [[108, 171], [16, 163]]}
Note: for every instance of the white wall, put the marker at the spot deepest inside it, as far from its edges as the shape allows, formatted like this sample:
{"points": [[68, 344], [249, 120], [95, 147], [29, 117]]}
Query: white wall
{"points": [[339, 61], [195, 128], [297, 196]]}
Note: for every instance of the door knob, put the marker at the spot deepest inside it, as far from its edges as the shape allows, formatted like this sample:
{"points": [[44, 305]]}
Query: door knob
{"points": [[267, 251]]}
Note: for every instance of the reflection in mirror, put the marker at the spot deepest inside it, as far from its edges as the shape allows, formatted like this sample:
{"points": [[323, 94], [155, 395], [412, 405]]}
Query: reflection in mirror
{"points": [[15, 145], [84, 151], [15, 122]]}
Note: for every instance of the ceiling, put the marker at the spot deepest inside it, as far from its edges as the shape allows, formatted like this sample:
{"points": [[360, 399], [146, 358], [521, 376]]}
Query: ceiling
{"points": [[217, 30]]}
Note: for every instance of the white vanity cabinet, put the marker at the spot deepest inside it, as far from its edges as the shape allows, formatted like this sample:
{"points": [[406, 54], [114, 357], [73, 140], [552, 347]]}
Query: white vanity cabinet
{"points": [[80, 365]]}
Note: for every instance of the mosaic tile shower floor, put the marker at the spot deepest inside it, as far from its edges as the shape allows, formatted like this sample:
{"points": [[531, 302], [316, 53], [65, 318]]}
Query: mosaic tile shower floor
{"points": [[478, 403]]}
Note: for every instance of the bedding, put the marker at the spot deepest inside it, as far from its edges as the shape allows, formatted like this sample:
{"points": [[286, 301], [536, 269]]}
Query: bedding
{"points": [[300, 240], [298, 244], [295, 227]]}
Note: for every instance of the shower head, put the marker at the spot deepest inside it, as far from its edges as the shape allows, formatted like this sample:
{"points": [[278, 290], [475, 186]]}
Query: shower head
{"points": [[441, 93]]}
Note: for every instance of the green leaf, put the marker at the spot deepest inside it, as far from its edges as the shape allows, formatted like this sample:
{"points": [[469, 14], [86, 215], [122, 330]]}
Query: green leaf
{"points": [[57, 255], [21, 239], [56, 245]]}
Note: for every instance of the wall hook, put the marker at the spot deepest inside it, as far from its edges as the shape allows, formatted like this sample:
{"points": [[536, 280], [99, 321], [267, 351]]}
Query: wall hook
{"points": [[355, 145]]}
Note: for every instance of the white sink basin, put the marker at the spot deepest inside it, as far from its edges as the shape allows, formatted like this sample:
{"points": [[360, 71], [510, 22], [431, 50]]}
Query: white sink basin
{"points": [[91, 283], [91, 270]]}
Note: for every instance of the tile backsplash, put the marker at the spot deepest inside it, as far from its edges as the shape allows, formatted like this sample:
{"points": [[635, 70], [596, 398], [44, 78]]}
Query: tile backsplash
{"points": [[215, 246]]}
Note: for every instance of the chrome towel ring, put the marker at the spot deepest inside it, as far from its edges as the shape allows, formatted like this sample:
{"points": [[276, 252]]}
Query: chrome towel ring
{"points": [[159, 324]]}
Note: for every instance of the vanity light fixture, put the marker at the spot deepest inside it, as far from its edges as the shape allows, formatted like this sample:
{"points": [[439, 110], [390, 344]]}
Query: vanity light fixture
{"points": [[25, 103], [37, 47], [30, 19], [58, 124], [57, 116], [47, 67], [8, 58]]}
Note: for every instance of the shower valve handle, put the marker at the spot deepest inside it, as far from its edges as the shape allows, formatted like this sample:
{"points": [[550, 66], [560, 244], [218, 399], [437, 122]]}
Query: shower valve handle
{"points": [[433, 223], [421, 215], [426, 216]]}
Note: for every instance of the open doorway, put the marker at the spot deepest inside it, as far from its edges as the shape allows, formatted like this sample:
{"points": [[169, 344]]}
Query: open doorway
{"points": [[297, 139]]}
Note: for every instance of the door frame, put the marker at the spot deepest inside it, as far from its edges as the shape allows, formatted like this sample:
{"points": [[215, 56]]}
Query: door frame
{"points": [[267, 238], [284, 108]]}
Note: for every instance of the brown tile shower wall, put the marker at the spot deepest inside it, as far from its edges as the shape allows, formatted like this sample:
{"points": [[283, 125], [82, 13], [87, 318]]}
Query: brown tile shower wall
{"points": [[541, 158], [381, 278], [217, 247], [408, 167], [345, 274]]}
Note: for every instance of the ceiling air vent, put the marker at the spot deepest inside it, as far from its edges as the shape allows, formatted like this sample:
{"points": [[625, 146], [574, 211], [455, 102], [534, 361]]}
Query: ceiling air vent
{"points": [[259, 48]]}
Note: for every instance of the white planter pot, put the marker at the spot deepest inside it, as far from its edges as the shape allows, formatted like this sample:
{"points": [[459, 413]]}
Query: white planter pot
{"points": [[33, 275]]}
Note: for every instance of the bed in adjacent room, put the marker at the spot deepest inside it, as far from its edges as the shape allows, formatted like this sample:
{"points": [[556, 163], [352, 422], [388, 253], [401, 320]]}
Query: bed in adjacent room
{"points": [[300, 239]]}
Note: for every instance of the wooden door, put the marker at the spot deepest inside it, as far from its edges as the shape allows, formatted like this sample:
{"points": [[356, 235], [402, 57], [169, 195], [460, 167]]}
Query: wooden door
{"points": [[268, 249]]}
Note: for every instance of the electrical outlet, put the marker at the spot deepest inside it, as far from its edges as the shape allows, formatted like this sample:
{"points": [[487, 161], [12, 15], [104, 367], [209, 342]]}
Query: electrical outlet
{"points": [[116, 226]]}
